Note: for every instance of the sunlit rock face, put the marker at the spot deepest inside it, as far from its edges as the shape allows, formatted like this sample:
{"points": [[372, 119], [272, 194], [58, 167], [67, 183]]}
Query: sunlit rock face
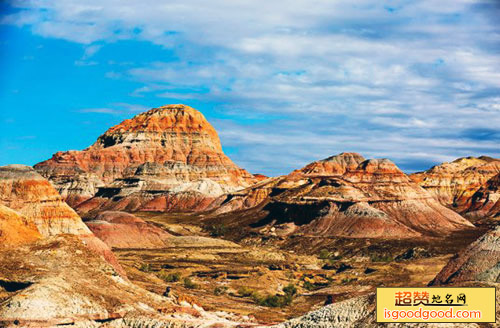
{"points": [[39, 205], [166, 151], [27, 192], [344, 195], [454, 184], [15, 229]]}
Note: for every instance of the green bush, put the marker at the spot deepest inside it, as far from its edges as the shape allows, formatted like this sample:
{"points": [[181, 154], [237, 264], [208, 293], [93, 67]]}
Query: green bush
{"points": [[324, 254], [348, 280], [188, 283], [290, 290], [245, 291], [220, 290], [169, 277], [273, 300]]}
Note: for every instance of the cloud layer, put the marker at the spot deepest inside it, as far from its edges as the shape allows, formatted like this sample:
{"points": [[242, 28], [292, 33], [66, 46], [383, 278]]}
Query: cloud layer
{"points": [[297, 80]]}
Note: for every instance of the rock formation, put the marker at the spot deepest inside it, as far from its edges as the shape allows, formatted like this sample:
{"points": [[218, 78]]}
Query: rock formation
{"points": [[123, 230], [454, 184], [145, 158], [478, 262], [16, 229], [25, 191], [59, 281], [345, 196], [485, 202]]}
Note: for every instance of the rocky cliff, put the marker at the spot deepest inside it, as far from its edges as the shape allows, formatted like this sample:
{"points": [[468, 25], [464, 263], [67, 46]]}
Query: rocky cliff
{"points": [[15, 229], [344, 195], [454, 184], [34, 198], [485, 202], [163, 152]]}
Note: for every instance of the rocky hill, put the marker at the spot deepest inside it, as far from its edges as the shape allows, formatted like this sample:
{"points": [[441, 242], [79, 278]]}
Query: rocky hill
{"points": [[58, 281], [485, 202], [167, 155], [124, 230], [344, 195], [38, 204], [454, 184]]}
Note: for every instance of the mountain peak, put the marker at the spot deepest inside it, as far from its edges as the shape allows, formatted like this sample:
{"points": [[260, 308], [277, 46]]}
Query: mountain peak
{"points": [[169, 119]]}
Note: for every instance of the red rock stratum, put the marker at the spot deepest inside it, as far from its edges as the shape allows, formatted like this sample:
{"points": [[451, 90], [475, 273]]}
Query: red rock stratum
{"points": [[343, 195], [167, 151]]}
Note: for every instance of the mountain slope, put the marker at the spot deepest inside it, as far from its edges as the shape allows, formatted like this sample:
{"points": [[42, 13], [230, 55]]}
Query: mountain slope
{"points": [[453, 184], [143, 159], [343, 196]]}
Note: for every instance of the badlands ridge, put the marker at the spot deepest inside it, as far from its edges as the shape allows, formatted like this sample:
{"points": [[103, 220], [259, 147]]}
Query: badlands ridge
{"points": [[101, 237]]}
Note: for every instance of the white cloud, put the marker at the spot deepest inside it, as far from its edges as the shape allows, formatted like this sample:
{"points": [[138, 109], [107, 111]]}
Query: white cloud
{"points": [[403, 80]]}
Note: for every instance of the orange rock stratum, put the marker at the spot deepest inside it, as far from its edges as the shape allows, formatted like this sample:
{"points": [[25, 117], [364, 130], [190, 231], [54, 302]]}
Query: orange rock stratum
{"points": [[454, 184], [343, 195], [170, 149], [40, 207]]}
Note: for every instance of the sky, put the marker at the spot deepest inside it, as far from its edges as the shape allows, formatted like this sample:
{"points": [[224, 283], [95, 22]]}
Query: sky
{"points": [[283, 82]]}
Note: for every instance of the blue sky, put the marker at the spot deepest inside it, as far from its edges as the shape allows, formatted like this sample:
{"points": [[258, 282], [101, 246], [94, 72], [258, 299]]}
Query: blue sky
{"points": [[284, 82]]}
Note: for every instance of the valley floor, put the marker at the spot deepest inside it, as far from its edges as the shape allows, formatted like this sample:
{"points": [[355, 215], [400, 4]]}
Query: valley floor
{"points": [[244, 273]]}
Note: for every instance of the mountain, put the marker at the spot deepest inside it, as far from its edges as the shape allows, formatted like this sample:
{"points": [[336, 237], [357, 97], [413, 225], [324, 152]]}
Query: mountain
{"points": [[485, 202], [454, 184], [39, 205], [167, 155], [345, 196]]}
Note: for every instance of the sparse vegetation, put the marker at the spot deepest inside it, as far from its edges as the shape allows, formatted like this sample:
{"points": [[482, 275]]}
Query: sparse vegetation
{"points": [[276, 300], [169, 277], [145, 267], [346, 281], [309, 286], [217, 230], [188, 283], [245, 291], [324, 254], [290, 290], [220, 290], [381, 258]]}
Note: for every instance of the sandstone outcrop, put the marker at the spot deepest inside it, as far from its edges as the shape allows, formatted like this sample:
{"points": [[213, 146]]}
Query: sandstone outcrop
{"points": [[454, 184], [145, 158], [123, 230], [24, 190], [344, 196], [16, 229]]}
